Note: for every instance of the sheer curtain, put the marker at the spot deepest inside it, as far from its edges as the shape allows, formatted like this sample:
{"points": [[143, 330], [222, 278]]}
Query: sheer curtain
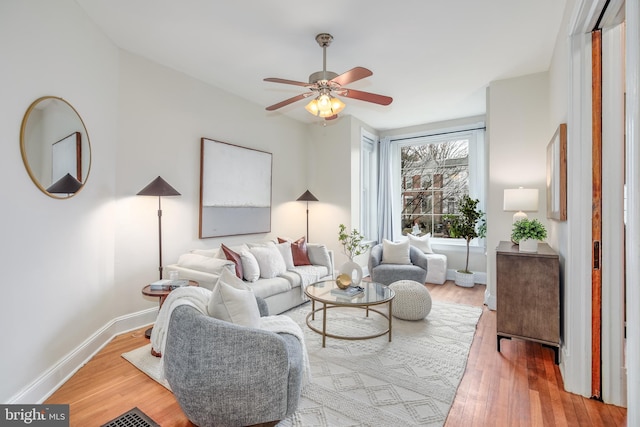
{"points": [[386, 191]]}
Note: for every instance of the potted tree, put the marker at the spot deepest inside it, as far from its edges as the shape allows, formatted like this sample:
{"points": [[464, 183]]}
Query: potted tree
{"points": [[526, 233], [465, 225]]}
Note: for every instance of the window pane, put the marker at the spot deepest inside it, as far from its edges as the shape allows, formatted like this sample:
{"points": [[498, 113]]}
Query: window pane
{"points": [[434, 177]]}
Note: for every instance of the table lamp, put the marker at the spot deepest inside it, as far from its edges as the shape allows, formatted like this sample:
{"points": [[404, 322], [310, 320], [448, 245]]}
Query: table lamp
{"points": [[520, 200]]}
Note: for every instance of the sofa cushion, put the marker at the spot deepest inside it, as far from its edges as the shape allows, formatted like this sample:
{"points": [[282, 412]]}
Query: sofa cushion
{"points": [[319, 255], [265, 288], [235, 248], [203, 263], [395, 253], [421, 242], [270, 261], [287, 256], [235, 258], [233, 301], [206, 252], [299, 251], [250, 267]]}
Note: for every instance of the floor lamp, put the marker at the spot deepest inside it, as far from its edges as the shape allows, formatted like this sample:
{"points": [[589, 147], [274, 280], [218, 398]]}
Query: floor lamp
{"points": [[307, 197], [159, 187]]}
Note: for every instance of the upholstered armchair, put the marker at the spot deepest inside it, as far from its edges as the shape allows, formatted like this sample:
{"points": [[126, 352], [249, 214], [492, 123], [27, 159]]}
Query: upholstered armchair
{"points": [[224, 374], [387, 273]]}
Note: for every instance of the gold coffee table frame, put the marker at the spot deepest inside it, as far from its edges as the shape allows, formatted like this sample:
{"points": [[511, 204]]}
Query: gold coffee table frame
{"points": [[374, 294]]}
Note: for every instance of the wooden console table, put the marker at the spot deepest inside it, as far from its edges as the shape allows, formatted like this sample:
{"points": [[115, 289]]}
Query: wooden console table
{"points": [[528, 295]]}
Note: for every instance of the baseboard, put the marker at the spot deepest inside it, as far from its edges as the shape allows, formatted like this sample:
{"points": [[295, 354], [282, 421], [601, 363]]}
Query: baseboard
{"points": [[40, 389]]}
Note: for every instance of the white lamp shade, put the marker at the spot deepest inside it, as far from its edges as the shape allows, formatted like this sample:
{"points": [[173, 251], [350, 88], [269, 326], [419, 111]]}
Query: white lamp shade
{"points": [[521, 199]]}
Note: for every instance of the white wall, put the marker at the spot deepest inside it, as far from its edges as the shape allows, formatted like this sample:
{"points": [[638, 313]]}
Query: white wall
{"points": [[57, 255], [72, 268], [163, 114], [519, 131]]}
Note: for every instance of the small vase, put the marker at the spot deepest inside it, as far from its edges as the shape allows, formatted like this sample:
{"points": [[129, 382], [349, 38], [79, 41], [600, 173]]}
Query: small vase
{"points": [[353, 270], [528, 245]]}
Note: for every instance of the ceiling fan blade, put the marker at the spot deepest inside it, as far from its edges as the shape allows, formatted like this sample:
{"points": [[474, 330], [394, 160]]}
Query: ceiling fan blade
{"points": [[287, 82], [352, 75], [366, 96], [288, 101]]}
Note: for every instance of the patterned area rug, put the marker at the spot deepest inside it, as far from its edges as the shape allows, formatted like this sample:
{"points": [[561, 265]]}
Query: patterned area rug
{"points": [[410, 381]]}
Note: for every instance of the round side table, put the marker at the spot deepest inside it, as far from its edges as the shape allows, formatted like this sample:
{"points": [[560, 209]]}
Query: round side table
{"points": [[162, 295]]}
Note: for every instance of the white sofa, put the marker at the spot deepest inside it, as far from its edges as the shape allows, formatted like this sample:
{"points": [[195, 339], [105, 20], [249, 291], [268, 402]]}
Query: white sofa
{"points": [[281, 292]]}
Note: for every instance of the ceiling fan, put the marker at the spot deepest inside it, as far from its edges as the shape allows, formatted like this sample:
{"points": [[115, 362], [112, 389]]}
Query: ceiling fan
{"points": [[324, 84]]}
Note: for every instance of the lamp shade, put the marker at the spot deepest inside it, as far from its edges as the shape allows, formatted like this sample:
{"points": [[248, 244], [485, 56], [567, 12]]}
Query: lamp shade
{"points": [[67, 184], [158, 187], [307, 197], [521, 199]]}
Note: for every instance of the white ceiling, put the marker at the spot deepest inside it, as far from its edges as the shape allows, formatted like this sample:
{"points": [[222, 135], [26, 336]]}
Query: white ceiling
{"points": [[435, 58]]}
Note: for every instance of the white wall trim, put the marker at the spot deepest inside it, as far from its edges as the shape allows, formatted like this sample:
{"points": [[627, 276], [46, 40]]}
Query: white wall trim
{"points": [[575, 362], [57, 375], [633, 209], [613, 382]]}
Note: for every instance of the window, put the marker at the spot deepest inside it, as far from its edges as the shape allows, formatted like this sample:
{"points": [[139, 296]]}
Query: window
{"points": [[435, 171]]}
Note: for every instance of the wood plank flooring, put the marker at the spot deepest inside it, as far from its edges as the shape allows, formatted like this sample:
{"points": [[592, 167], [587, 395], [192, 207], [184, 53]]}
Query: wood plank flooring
{"points": [[521, 386]]}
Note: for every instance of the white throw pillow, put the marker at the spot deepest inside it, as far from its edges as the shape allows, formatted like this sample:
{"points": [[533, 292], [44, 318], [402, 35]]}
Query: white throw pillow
{"points": [[269, 260], [250, 267], [287, 256], [203, 263], [233, 301], [395, 253], [423, 242], [318, 255]]}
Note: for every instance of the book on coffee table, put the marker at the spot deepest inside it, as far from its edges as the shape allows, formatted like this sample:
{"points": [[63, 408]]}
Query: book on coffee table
{"points": [[349, 292]]}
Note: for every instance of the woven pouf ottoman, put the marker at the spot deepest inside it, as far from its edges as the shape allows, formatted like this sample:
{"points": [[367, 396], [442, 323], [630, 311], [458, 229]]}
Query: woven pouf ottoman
{"points": [[412, 300]]}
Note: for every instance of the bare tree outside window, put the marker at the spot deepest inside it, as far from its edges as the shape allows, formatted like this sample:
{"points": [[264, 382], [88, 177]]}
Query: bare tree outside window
{"points": [[434, 177]]}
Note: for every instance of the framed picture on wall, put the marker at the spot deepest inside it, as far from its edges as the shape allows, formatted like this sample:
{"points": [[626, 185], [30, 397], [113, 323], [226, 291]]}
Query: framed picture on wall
{"points": [[235, 190], [557, 175]]}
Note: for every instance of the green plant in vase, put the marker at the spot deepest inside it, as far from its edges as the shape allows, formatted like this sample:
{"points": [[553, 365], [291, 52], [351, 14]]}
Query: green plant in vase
{"points": [[352, 246], [527, 233]]}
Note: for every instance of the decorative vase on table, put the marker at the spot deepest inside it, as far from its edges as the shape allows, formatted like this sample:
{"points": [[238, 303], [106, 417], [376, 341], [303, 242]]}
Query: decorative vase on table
{"points": [[353, 270], [465, 280]]}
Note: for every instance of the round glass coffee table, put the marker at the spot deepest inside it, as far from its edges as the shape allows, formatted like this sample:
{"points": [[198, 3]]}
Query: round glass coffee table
{"points": [[327, 294]]}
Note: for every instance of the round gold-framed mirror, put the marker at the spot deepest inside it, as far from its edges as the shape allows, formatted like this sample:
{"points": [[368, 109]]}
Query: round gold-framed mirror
{"points": [[55, 147]]}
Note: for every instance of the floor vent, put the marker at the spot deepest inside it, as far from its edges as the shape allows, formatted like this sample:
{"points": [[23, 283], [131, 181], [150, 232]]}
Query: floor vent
{"points": [[132, 418]]}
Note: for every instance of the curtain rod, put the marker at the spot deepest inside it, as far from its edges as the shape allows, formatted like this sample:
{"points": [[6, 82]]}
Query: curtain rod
{"points": [[438, 134]]}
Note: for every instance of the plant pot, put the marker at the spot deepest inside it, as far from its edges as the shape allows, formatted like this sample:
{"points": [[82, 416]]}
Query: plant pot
{"points": [[528, 245], [353, 270], [464, 279]]}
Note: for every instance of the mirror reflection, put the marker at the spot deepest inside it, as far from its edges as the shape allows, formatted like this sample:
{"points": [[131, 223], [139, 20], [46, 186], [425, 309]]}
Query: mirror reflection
{"points": [[55, 147]]}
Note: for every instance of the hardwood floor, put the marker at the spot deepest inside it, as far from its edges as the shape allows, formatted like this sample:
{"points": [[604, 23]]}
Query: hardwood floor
{"points": [[521, 386]]}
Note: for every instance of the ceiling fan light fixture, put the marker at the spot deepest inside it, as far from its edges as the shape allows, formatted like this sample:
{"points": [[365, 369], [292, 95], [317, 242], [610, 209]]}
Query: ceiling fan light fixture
{"points": [[325, 106]]}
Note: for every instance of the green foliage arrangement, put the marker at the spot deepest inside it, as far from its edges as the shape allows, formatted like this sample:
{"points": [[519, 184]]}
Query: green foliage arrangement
{"points": [[465, 225], [351, 243], [528, 229]]}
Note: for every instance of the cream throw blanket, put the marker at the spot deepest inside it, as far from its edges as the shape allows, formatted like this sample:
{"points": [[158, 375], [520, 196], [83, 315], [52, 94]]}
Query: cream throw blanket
{"points": [[285, 324], [188, 295]]}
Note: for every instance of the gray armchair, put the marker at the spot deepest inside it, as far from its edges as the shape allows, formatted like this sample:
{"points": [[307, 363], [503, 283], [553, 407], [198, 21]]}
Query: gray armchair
{"points": [[228, 375], [389, 273]]}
